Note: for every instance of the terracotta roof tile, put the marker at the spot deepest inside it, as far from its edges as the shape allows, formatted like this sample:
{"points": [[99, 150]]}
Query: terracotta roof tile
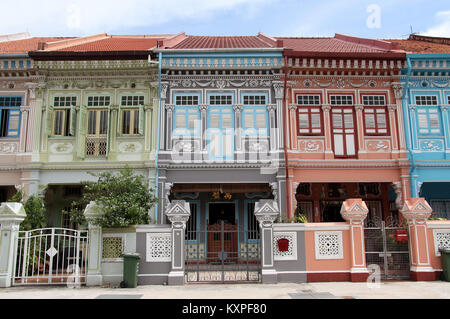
{"points": [[414, 46], [331, 45], [221, 42], [26, 45], [115, 44]]}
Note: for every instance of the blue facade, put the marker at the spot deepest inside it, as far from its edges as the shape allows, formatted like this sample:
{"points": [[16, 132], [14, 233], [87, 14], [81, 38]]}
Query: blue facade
{"points": [[426, 100]]}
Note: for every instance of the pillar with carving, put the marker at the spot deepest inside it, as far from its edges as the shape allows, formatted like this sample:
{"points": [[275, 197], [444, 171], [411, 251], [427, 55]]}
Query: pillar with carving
{"points": [[94, 273], [416, 211], [266, 212], [178, 212], [354, 211], [326, 108]]}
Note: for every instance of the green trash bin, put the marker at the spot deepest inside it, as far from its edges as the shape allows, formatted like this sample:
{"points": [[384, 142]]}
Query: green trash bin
{"points": [[445, 258], [130, 270]]}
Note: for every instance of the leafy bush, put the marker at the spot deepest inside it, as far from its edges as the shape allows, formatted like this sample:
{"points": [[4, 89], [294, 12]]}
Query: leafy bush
{"points": [[125, 199], [34, 207]]}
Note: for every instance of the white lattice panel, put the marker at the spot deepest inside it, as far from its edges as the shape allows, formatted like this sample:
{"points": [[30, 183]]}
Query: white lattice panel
{"points": [[159, 247], [328, 245], [441, 239], [291, 253]]}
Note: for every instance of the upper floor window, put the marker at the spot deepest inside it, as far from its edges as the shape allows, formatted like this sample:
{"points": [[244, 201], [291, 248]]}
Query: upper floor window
{"points": [[131, 114], [186, 115], [428, 119], [341, 99], [375, 115], [186, 100], [255, 118], [426, 100], [221, 99], [64, 115], [10, 116], [309, 115], [254, 99], [309, 121], [308, 99], [100, 101]]}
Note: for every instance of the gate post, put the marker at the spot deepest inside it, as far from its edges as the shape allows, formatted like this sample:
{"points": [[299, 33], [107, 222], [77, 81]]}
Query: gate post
{"points": [[11, 215], [178, 212], [94, 272], [417, 211], [354, 211], [266, 212]]}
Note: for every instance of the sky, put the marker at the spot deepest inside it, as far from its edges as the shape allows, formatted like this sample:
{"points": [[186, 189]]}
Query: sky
{"points": [[302, 18]]}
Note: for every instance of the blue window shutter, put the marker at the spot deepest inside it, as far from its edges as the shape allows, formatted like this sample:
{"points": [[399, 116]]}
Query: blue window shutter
{"points": [[13, 123]]}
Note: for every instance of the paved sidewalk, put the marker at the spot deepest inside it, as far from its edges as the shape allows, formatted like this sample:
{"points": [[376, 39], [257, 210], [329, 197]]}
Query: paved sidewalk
{"points": [[340, 290]]}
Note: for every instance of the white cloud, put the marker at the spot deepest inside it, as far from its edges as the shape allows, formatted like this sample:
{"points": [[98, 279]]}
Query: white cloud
{"points": [[82, 17], [442, 28]]}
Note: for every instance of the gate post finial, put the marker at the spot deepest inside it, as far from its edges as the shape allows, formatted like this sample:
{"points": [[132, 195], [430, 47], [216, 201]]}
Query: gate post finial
{"points": [[417, 211], [354, 211], [11, 216], [266, 212], [94, 273]]}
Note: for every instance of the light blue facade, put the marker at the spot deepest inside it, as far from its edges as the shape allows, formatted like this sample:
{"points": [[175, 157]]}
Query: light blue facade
{"points": [[426, 100]]}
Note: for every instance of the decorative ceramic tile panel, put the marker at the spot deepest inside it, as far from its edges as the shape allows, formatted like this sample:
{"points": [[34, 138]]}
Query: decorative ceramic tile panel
{"points": [[441, 239], [291, 253], [194, 251], [328, 245], [159, 247], [253, 251], [112, 247]]}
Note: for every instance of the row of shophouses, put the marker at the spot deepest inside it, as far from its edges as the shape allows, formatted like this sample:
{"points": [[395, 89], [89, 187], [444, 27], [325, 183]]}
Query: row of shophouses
{"points": [[223, 123]]}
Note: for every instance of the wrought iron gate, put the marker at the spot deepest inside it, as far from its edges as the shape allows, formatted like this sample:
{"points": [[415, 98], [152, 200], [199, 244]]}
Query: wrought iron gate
{"points": [[51, 256], [223, 253], [387, 245]]}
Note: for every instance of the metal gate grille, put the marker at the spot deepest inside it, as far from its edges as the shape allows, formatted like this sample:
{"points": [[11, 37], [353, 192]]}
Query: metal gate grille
{"points": [[51, 256], [223, 253], [385, 248]]}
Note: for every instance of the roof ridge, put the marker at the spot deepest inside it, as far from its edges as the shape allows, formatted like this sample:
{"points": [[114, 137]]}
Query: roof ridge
{"points": [[58, 45]]}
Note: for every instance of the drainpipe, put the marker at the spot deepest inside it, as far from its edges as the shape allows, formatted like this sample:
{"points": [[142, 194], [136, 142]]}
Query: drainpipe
{"points": [[288, 186], [159, 133], [405, 97]]}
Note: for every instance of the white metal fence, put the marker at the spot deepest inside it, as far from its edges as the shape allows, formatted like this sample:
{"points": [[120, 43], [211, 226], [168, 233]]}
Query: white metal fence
{"points": [[51, 256]]}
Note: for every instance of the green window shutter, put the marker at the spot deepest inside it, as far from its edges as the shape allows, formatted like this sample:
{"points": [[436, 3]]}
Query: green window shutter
{"points": [[73, 120], [108, 134], [81, 148], [49, 120], [119, 123], [141, 119]]}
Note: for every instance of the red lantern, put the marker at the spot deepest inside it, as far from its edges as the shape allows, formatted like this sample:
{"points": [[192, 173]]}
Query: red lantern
{"points": [[283, 244], [401, 235]]}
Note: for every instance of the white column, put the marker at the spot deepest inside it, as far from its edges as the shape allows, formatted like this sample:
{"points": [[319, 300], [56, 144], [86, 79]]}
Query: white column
{"points": [[11, 215], [94, 273]]}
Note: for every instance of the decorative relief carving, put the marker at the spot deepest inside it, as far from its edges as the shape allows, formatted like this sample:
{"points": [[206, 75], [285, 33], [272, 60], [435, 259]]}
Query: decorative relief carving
{"points": [[432, 145], [61, 148], [9, 147], [219, 84], [378, 146], [291, 252], [328, 245], [311, 146], [130, 147], [186, 145], [159, 247]]}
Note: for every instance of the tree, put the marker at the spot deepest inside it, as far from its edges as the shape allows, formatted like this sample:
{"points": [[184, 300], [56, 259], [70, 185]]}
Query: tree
{"points": [[34, 207], [125, 199]]}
